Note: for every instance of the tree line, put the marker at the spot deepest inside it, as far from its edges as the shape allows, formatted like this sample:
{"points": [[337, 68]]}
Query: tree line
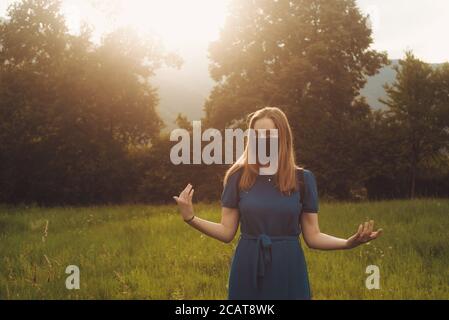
{"points": [[79, 122]]}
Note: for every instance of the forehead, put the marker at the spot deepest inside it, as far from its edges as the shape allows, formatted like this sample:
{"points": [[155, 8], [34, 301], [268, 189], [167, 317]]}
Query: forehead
{"points": [[264, 123]]}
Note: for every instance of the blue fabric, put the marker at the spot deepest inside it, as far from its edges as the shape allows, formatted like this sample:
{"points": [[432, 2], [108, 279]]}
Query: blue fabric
{"points": [[269, 262]]}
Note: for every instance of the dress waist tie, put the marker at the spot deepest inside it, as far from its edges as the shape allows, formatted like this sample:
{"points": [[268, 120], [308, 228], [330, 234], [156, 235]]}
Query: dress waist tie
{"points": [[264, 252]]}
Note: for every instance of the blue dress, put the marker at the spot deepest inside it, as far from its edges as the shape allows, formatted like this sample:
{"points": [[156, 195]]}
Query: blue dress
{"points": [[269, 262]]}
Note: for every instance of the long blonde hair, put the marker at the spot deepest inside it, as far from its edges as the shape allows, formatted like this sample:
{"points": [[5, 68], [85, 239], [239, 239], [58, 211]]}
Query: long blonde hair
{"points": [[286, 179]]}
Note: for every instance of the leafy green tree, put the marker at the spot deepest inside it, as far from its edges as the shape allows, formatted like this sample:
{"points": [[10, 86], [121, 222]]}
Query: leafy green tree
{"points": [[311, 58], [70, 109], [417, 103]]}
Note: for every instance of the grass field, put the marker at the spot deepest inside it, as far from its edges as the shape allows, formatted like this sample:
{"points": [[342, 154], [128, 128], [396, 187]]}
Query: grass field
{"points": [[147, 252]]}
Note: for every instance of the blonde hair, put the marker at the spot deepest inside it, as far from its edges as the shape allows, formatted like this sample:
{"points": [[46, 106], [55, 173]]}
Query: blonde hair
{"points": [[286, 179]]}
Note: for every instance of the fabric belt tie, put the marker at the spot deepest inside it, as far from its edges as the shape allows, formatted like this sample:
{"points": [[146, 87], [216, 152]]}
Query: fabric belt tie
{"points": [[264, 252]]}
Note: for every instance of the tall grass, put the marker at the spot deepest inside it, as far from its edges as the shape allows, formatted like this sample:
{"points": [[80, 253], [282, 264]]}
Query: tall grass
{"points": [[148, 252]]}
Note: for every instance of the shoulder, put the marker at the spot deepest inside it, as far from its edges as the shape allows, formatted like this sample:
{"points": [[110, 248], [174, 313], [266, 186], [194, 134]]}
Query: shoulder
{"points": [[237, 172], [299, 168], [235, 175], [310, 179], [308, 174]]}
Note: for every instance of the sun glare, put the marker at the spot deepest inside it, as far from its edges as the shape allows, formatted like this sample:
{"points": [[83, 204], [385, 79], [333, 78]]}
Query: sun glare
{"points": [[177, 22]]}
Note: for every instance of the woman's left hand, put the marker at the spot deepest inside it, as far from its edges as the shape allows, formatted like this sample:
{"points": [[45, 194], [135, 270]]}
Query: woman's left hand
{"points": [[364, 234]]}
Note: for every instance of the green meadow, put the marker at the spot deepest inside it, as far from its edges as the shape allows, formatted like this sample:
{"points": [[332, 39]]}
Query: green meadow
{"points": [[148, 252]]}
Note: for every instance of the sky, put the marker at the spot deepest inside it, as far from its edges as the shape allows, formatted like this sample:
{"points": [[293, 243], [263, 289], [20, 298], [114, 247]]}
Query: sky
{"points": [[188, 26], [419, 25]]}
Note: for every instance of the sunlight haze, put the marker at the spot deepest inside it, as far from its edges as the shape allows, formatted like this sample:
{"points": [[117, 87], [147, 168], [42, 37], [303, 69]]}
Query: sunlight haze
{"points": [[188, 26]]}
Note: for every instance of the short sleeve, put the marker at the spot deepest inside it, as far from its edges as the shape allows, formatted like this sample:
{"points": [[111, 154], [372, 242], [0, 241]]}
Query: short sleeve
{"points": [[310, 200], [230, 196]]}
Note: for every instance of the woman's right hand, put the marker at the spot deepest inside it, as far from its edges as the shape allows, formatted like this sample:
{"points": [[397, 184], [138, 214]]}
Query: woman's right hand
{"points": [[184, 201]]}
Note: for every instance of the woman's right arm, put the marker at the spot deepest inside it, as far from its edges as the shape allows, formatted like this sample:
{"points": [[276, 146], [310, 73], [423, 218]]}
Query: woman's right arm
{"points": [[224, 231]]}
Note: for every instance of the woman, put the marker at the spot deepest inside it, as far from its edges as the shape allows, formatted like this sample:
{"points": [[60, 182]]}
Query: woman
{"points": [[268, 262]]}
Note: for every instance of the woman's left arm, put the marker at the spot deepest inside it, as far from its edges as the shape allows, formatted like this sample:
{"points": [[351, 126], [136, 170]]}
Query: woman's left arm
{"points": [[315, 239]]}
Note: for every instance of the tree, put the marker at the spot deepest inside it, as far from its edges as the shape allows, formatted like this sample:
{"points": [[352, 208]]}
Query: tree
{"points": [[418, 107], [311, 58], [70, 109]]}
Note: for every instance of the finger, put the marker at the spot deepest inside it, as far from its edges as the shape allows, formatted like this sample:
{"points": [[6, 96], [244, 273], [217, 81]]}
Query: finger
{"points": [[181, 195], [377, 234], [371, 226], [184, 192], [176, 198], [365, 226], [360, 230], [191, 194], [365, 233], [189, 191]]}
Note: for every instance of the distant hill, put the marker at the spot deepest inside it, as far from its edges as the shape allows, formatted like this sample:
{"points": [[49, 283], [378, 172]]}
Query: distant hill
{"points": [[374, 89], [186, 90]]}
